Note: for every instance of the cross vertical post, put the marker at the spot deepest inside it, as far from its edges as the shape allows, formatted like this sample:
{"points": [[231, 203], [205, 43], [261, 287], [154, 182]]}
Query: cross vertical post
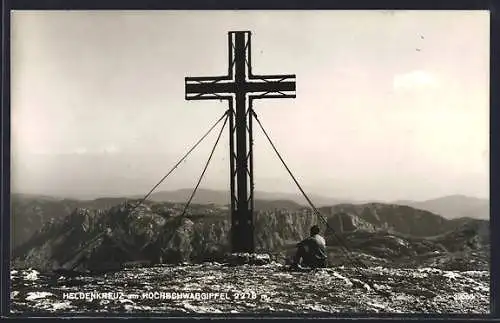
{"points": [[240, 87]]}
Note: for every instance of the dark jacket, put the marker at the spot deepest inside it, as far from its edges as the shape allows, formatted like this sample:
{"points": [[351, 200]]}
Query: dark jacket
{"points": [[312, 251]]}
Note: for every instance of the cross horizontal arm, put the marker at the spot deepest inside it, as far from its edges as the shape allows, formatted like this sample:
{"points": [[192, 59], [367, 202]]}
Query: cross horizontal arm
{"points": [[273, 78], [275, 95], [204, 96], [247, 87], [207, 79], [270, 86]]}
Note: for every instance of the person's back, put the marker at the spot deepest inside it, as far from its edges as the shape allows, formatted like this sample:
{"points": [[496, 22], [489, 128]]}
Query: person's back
{"points": [[311, 252]]}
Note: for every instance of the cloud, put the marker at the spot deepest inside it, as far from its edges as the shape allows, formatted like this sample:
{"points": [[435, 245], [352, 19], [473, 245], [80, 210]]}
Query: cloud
{"points": [[415, 80]]}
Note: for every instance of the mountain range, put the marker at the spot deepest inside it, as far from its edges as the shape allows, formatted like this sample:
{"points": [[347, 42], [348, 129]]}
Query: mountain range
{"points": [[454, 206], [30, 212], [451, 207], [154, 232]]}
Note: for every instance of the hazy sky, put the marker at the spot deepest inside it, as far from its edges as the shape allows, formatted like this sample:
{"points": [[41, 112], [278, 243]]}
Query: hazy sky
{"points": [[390, 105]]}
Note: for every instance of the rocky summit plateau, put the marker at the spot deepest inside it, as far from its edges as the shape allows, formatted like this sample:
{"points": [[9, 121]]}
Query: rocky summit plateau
{"points": [[111, 242]]}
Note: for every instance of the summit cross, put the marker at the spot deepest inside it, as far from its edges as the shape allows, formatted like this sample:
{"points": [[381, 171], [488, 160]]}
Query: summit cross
{"points": [[240, 87]]}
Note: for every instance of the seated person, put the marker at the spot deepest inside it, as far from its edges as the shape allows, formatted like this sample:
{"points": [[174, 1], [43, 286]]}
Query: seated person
{"points": [[311, 252]]}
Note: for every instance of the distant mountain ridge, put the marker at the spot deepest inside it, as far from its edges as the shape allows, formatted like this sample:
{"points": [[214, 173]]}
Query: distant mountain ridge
{"points": [[220, 197], [156, 233], [451, 207], [454, 206]]}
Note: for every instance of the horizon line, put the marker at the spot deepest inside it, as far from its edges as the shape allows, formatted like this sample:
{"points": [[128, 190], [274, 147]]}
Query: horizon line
{"points": [[91, 196]]}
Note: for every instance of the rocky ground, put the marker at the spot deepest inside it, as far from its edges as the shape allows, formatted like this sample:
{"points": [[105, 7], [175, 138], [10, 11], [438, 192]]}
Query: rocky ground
{"points": [[256, 289]]}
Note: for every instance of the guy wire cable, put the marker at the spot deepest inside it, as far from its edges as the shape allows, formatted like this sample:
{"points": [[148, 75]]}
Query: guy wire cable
{"points": [[181, 160], [354, 261]]}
